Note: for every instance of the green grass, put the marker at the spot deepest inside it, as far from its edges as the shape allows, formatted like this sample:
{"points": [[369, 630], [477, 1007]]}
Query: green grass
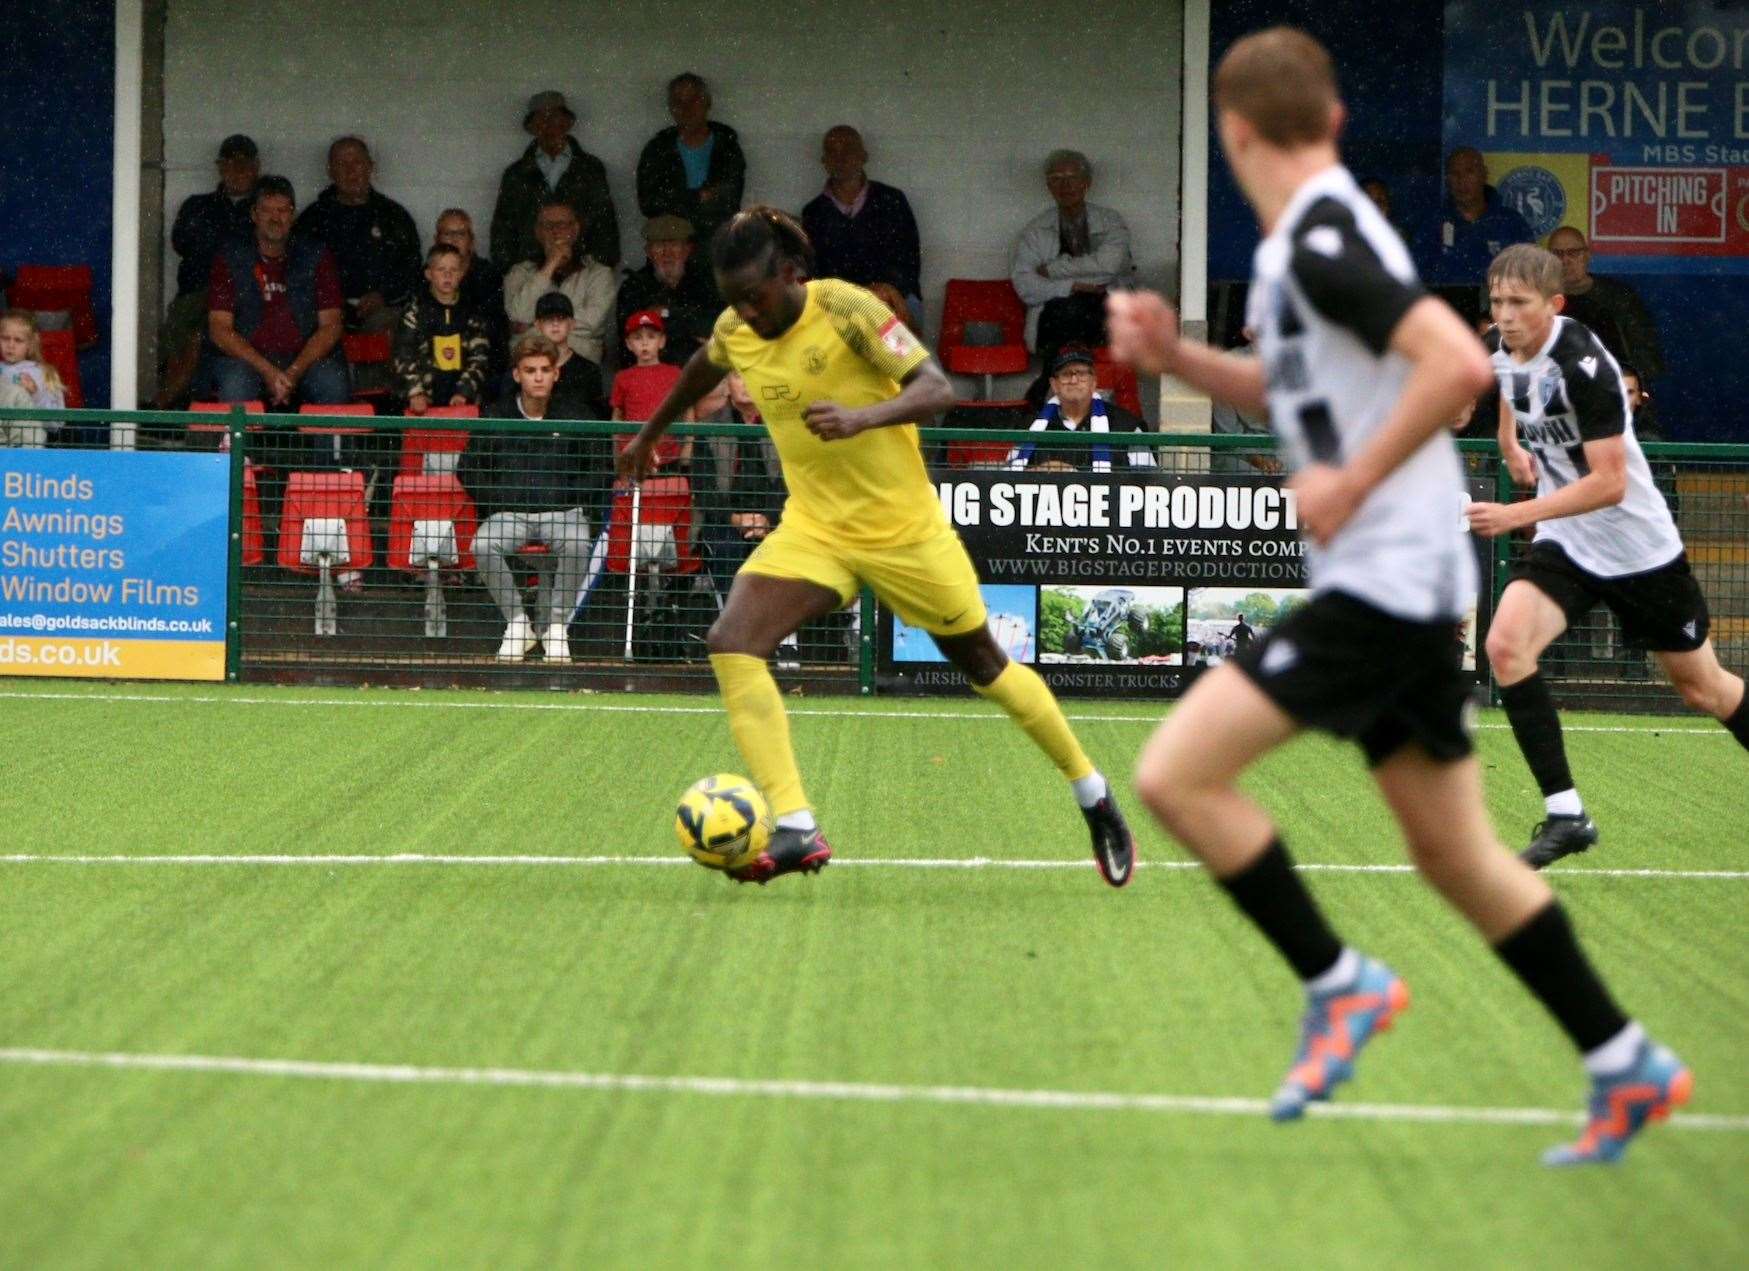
{"points": [[1030, 980]]}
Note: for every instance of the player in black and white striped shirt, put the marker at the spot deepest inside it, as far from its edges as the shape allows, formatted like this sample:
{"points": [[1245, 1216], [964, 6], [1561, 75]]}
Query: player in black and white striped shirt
{"points": [[1359, 371], [1604, 534]]}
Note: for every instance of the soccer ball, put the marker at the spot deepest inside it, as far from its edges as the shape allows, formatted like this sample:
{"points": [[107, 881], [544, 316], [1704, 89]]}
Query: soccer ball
{"points": [[722, 821]]}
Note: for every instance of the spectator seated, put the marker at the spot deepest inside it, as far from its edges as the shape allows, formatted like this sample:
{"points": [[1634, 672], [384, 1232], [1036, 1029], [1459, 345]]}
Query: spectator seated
{"points": [[323, 530], [432, 523]]}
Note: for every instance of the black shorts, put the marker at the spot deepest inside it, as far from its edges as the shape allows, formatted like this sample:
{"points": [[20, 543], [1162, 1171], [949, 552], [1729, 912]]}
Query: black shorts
{"points": [[1342, 666], [1662, 609]]}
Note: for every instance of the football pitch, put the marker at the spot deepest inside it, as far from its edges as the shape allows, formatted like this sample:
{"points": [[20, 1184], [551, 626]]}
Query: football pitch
{"points": [[323, 977]]}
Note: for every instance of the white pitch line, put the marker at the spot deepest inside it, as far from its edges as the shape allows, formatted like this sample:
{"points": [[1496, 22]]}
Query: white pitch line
{"points": [[411, 702], [836, 1091], [968, 862]]}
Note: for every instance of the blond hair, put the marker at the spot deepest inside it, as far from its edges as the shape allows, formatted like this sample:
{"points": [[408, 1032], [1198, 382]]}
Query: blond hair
{"points": [[1535, 267], [1282, 82], [33, 346]]}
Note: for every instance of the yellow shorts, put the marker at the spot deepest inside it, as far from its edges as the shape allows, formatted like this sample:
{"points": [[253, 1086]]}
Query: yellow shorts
{"points": [[931, 585]]}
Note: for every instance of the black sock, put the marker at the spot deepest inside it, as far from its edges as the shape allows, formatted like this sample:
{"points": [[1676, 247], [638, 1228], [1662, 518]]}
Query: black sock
{"points": [[1739, 722], [1274, 898], [1545, 954], [1531, 712]]}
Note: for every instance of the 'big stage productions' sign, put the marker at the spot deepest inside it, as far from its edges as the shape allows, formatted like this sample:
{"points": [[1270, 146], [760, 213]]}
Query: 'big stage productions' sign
{"points": [[1629, 122], [1114, 584], [112, 564]]}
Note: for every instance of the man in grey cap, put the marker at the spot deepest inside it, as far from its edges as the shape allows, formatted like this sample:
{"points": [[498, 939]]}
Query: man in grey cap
{"points": [[675, 281], [553, 165], [204, 223]]}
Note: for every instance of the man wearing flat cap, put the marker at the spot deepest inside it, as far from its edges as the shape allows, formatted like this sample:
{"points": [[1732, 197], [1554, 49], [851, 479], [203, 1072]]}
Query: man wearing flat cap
{"points": [[204, 223], [675, 282], [553, 165]]}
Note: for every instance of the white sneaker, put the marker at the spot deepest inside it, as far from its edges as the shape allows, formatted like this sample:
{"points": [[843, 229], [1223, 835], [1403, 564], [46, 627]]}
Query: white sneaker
{"points": [[518, 639], [556, 645]]}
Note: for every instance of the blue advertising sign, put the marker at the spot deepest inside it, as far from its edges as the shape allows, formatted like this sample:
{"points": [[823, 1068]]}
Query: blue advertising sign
{"points": [[113, 564], [1628, 122]]}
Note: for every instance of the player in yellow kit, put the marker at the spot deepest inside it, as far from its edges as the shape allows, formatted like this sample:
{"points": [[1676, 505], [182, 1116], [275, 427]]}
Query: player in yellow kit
{"points": [[838, 379]]}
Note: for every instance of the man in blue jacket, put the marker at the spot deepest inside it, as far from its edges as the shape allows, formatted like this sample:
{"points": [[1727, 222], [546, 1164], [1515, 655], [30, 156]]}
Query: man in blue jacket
{"points": [[1473, 227], [863, 231]]}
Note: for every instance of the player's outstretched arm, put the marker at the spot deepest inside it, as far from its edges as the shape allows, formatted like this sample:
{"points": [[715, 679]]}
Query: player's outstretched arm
{"points": [[1448, 367], [924, 393], [698, 377], [1143, 329], [1604, 485]]}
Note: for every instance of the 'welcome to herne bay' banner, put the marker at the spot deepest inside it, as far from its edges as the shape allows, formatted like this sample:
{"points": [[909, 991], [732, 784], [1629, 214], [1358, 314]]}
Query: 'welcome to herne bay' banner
{"points": [[1627, 121], [112, 564]]}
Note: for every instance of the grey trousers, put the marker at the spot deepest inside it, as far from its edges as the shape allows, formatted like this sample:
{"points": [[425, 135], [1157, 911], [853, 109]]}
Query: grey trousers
{"points": [[566, 536]]}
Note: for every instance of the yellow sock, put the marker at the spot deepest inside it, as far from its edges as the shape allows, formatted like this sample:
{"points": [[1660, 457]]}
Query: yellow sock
{"points": [[760, 728], [1031, 704]]}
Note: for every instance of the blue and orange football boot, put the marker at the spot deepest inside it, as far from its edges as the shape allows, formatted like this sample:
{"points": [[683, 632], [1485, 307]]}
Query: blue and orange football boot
{"points": [[1624, 1103], [1337, 1024]]}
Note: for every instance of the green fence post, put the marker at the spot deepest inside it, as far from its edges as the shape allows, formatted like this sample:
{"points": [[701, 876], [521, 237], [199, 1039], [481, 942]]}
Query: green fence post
{"points": [[865, 669], [234, 565]]}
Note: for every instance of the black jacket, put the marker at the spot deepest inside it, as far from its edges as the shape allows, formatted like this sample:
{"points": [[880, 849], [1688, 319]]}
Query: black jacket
{"points": [[583, 185], [376, 244], [205, 223], [662, 181], [689, 310], [536, 472]]}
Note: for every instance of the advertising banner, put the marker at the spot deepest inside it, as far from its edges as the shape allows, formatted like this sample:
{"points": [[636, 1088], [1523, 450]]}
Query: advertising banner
{"points": [[112, 564], [1120, 585], [1628, 122]]}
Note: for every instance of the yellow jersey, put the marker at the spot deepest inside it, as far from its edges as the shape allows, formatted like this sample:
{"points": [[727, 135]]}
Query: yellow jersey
{"points": [[870, 490]]}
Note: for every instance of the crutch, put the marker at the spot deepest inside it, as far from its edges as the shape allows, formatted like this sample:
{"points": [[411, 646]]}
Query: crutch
{"points": [[632, 568]]}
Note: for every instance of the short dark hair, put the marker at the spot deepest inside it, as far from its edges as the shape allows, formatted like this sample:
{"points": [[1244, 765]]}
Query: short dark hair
{"points": [[271, 185], [761, 232], [1627, 369], [689, 77], [550, 199], [1282, 82], [442, 249], [348, 140]]}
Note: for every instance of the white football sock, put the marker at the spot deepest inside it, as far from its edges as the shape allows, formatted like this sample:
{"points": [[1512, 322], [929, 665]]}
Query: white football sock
{"points": [[1616, 1053], [1566, 803], [800, 820], [1090, 789], [1339, 976]]}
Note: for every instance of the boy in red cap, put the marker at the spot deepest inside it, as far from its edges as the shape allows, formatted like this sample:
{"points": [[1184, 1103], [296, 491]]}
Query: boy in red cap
{"points": [[638, 390]]}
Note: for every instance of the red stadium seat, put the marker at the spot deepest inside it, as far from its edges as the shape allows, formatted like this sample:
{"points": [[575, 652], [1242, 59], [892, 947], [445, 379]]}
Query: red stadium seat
{"points": [[336, 431], [429, 451], [58, 288], [254, 550], [664, 506], [1118, 380], [431, 528], [367, 348], [58, 352], [222, 408], [994, 301], [977, 454], [323, 528]]}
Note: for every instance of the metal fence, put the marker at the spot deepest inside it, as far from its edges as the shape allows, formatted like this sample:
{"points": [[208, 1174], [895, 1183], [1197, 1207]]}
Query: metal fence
{"points": [[502, 552]]}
